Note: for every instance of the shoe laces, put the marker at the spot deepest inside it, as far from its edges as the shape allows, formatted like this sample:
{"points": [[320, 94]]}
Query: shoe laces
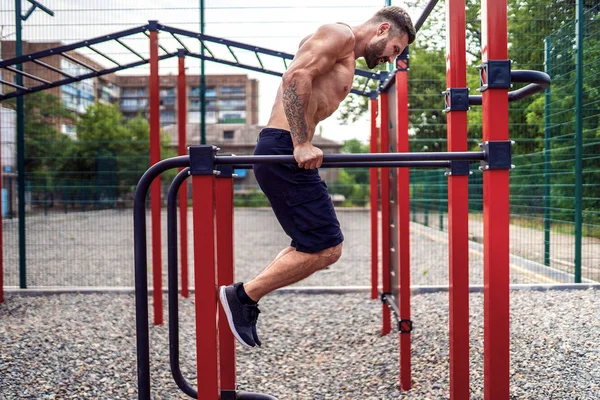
{"points": [[252, 313]]}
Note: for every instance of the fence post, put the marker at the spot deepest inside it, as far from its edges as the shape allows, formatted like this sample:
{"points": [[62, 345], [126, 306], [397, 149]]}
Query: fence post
{"points": [[547, 122], [579, 35]]}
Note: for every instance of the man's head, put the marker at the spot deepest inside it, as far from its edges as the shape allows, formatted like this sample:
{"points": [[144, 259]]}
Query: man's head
{"points": [[393, 32]]}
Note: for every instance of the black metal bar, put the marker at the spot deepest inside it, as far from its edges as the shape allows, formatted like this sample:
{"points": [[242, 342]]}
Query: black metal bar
{"points": [[233, 54], [64, 49], [249, 67], [79, 78], [23, 88], [378, 164], [205, 47], [104, 55], [538, 82], [173, 285], [356, 158], [141, 263], [130, 49], [68, 57], [253, 396], [179, 41], [16, 71], [425, 14], [259, 60], [225, 42], [159, 45], [51, 68]]}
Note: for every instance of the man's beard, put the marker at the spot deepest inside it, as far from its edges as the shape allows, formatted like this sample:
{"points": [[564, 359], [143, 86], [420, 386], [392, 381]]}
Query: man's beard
{"points": [[374, 53]]}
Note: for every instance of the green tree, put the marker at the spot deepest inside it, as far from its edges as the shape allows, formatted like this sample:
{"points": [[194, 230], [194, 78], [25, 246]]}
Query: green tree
{"points": [[353, 183]]}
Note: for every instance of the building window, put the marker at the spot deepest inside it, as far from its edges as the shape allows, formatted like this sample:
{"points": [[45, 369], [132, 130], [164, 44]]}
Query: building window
{"points": [[232, 104], [69, 130], [232, 117], [210, 92], [228, 134], [134, 92], [233, 90]]}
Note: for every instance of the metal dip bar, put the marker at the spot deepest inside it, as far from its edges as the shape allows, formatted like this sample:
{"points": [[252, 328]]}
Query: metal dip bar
{"points": [[358, 160]]}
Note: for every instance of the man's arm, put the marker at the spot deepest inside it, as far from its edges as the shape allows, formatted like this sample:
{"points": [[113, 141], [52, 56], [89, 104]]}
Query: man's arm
{"points": [[316, 56]]}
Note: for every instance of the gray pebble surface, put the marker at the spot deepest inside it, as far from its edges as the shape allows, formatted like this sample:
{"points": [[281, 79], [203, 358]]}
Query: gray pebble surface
{"points": [[325, 346]]}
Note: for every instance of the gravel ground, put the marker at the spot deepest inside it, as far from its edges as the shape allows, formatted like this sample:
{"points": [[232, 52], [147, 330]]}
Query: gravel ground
{"points": [[96, 249], [314, 347]]}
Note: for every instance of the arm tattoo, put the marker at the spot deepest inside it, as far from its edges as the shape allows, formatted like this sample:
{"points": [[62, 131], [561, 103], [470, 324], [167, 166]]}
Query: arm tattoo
{"points": [[294, 106]]}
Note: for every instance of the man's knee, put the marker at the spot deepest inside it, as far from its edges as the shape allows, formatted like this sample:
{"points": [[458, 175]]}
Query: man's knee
{"points": [[331, 255]]}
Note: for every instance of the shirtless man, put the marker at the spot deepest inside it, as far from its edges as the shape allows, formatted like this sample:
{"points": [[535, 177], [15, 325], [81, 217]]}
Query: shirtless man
{"points": [[317, 81]]}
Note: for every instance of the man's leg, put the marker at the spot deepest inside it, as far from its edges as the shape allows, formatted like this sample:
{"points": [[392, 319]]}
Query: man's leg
{"points": [[289, 267]]}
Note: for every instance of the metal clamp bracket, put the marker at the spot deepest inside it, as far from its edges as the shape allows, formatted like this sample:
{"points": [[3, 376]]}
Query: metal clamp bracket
{"points": [[403, 61], [456, 99], [202, 159], [458, 168], [383, 297], [494, 74], [498, 155], [405, 325]]}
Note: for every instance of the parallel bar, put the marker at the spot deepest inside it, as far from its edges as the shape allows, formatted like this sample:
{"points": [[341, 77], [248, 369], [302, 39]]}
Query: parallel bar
{"points": [[403, 218], [130, 49], [205, 277], [374, 201], [72, 79], [458, 207], [496, 214], [373, 164], [180, 42], [172, 284], [25, 74], [225, 276], [141, 277], [74, 46], [385, 215], [365, 157], [105, 56], [155, 196], [76, 61], [182, 150], [51, 68], [425, 14], [539, 81]]}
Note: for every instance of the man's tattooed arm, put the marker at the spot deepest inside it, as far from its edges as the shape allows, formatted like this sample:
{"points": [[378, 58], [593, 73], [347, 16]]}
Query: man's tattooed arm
{"points": [[295, 105]]}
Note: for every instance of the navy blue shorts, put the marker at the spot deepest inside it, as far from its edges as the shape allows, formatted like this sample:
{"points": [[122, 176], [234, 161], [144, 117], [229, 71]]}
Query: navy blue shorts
{"points": [[298, 196]]}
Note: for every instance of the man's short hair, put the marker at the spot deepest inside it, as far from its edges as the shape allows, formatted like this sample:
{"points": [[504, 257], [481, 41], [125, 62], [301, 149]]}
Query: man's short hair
{"points": [[398, 19]]}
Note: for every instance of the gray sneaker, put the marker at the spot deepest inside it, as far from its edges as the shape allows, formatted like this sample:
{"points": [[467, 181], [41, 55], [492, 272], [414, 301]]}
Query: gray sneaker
{"points": [[241, 317]]}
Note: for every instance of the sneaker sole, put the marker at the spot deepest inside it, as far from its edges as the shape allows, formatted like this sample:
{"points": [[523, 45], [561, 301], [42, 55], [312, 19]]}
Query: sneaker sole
{"points": [[225, 305]]}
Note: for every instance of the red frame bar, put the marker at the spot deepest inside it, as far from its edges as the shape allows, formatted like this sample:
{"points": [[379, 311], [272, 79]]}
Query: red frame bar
{"points": [[225, 260], [373, 199], [385, 215], [182, 151], [205, 283], [496, 197], [1, 228], [458, 207], [155, 198], [403, 218]]}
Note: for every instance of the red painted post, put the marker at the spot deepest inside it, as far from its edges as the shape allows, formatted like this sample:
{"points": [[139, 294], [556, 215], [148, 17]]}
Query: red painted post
{"points": [[225, 276], [385, 215], [373, 199], [1, 228], [182, 150], [155, 197], [458, 207], [496, 213], [205, 283], [403, 218]]}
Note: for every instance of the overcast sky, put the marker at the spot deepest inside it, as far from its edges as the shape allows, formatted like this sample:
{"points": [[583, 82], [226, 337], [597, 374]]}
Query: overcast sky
{"points": [[277, 25]]}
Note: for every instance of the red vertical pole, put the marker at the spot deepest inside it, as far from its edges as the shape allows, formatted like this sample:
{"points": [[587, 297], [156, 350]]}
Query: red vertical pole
{"points": [[458, 207], [385, 214], [225, 276], [155, 188], [373, 199], [403, 227], [182, 150], [495, 213], [205, 283], [1, 227]]}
